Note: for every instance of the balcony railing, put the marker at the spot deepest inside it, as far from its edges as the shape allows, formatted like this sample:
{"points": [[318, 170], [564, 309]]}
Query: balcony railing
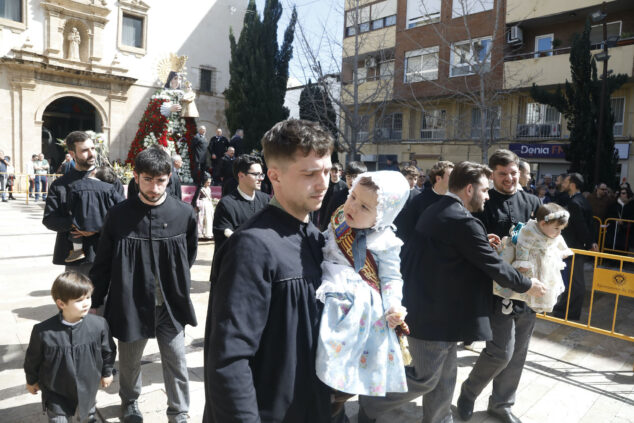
{"points": [[564, 50], [388, 134], [432, 134], [475, 132], [538, 130]]}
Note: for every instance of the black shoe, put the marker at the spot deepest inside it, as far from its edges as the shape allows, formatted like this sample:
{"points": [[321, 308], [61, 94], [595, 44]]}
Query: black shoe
{"points": [[504, 415], [465, 408], [130, 413], [363, 418]]}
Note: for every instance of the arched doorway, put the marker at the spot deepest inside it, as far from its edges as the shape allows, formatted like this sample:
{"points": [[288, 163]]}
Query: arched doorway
{"points": [[62, 116]]}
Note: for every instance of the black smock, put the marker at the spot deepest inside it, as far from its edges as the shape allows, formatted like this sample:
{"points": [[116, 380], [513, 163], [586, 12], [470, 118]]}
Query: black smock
{"points": [[68, 362], [333, 188], [57, 217], [263, 324], [141, 244], [232, 211], [90, 200]]}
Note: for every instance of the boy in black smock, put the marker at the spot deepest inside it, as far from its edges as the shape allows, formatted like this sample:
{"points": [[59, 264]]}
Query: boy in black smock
{"points": [[71, 354], [263, 317]]}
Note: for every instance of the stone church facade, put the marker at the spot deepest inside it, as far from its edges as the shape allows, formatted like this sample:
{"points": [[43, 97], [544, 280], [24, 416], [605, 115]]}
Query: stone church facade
{"points": [[92, 65]]}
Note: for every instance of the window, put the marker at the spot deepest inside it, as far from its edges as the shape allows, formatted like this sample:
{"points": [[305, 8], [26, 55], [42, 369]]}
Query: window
{"points": [[544, 45], [469, 7], [362, 133], [421, 12], [362, 74], [369, 18], [132, 32], [11, 10], [467, 57], [433, 124], [421, 65], [541, 121], [358, 18], [492, 122], [389, 128], [390, 20], [378, 24], [618, 111], [386, 69], [207, 80], [596, 32], [541, 113]]}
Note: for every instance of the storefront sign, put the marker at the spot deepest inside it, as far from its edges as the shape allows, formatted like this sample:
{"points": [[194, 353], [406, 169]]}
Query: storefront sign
{"points": [[538, 151]]}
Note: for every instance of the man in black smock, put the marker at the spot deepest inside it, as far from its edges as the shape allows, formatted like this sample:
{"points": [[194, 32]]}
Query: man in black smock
{"points": [[216, 150], [57, 213], [335, 185], [451, 299], [263, 317], [199, 155], [353, 169], [243, 202], [502, 360], [147, 247]]}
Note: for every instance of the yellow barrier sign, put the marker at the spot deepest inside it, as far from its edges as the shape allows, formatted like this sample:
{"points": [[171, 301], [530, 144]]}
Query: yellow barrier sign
{"points": [[614, 282]]}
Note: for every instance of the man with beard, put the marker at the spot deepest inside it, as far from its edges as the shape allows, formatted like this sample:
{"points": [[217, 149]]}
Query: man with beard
{"points": [[451, 299], [57, 215], [263, 316], [512, 322], [147, 247]]}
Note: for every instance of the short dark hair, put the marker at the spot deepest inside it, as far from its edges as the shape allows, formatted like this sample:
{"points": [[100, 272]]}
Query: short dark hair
{"points": [[366, 181], [75, 137], [70, 286], [576, 179], [548, 208], [244, 162], [337, 166], [465, 173], [153, 161], [409, 171], [355, 168], [438, 169], [288, 136], [524, 164], [503, 158], [106, 174]]}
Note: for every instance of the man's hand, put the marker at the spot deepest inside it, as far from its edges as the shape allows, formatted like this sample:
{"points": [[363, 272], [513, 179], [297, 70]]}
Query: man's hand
{"points": [[395, 316], [213, 156], [106, 381], [595, 247], [175, 108], [77, 232], [33, 389], [494, 240], [538, 289]]}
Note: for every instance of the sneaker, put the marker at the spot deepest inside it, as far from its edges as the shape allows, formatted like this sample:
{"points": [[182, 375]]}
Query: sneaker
{"points": [[130, 413], [75, 255]]}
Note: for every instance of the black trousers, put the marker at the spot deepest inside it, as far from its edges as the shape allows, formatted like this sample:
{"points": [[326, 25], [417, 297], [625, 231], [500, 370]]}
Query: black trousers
{"points": [[578, 292]]}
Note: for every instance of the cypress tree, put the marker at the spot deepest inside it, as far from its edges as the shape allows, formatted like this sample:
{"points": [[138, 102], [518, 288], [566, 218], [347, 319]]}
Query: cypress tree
{"points": [[258, 73], [579, 101], [315, 105]]}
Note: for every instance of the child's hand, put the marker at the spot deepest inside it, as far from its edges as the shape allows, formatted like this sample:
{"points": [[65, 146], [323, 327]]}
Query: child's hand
{"points": [[395, 316], [33, 389], [106, 381], [523, 269]]}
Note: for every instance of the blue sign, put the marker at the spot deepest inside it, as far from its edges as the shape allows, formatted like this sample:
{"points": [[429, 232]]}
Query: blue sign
{"points": [[538, 151]]}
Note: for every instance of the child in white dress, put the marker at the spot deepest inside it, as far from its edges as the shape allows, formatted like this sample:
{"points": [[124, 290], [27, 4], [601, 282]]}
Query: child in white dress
{"points": [[539, 253], [358, 351], [205, 210]]}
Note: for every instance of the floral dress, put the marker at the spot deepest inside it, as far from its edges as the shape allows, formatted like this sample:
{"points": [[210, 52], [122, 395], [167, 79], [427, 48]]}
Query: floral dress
{"points": [[205, 214], [357, 352], [543, 257]]}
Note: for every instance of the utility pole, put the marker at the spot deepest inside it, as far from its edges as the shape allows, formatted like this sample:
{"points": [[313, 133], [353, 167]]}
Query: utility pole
{"points": [[604, 59]]}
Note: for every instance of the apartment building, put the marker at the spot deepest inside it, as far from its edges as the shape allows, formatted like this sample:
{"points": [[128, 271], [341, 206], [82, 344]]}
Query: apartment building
{"points": [[459, 73]]}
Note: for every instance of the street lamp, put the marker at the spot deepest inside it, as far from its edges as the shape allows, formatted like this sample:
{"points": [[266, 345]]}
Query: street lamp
{"points": [[600, 16]]}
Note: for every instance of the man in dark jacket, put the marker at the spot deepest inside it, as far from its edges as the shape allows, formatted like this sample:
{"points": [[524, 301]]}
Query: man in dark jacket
{"points": [[57, 216], [578, 234], [512, 323], [451, 300], [226, 171], [335, 185], [217, 148], [353, 169], [237, 143], [199, 154], [147, 247]]}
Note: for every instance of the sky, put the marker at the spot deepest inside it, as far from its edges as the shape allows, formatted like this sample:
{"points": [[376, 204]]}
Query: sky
{"points": [[322, 24]]}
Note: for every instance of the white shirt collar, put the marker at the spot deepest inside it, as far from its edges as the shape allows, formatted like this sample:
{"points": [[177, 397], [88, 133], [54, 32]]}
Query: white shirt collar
{"points": [[245, 196]]}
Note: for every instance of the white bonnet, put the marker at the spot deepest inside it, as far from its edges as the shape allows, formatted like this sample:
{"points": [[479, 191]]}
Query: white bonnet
{"points": [[392, 195]]}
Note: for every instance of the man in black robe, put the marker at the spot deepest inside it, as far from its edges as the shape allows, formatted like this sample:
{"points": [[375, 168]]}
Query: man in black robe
{"points": [[263, 317], [353, 169], [217, 147], [173, 186], [226, 171], [335, 185], [57, 216], [243, 202], [199, 154], [147, 247], [237, 143]]}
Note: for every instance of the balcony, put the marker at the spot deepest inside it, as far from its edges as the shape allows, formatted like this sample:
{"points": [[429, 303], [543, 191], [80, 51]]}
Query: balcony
{"points": [[475, 132], [370, 41], [522, 70], [433, 134], [522, 10], [388, 134], [538, 130]]}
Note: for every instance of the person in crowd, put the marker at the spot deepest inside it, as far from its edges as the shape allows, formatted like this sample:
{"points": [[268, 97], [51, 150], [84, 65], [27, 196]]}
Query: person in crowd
{"points": [[4, 176], [30, 171], [619, 232], [10, 177], [66, 165], [41, 167], [542, 194], [237, 142], [335, 185], [243, 202], [390, 164], [548, 179], [263, 316], [353, 169], [600, 201], [561, 197], [69, 381], [578, 234], [148, 244], [177, 165], [539, 253], [173, 186], [57, 212], [421, 180], [454, 256], [411, 174], [89, 200], [226, 171], [199, 146], [502, 360], [358, 352], [524, 178], [205, 207], [216, 149]]}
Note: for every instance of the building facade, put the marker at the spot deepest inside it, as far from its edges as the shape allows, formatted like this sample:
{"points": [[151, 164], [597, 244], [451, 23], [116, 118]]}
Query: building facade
{"points": [[93, 65], [459, 73]]}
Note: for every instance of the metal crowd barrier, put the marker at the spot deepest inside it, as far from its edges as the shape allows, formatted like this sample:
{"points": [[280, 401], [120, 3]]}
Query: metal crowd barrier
{"points": [[21, 183]]}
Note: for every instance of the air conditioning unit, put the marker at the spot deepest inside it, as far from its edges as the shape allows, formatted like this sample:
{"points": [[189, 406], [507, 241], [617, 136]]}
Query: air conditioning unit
{"points": [[515, 36], [370, 62]]}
